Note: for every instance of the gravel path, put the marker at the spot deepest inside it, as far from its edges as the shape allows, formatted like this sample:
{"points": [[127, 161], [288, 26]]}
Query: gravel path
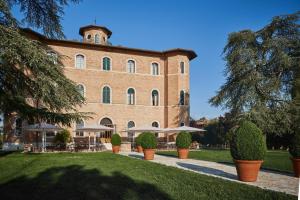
{"points": [[266, 179]]}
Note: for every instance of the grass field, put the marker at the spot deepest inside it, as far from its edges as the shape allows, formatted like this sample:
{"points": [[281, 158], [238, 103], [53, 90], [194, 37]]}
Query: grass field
{"points": [[276, 160], [108, 176]]}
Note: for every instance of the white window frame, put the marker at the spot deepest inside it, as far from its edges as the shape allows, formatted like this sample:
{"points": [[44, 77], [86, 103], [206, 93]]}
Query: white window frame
{"points": [[127, 66], [127, 96], [110, 95], [84, 61], [151, 69]]}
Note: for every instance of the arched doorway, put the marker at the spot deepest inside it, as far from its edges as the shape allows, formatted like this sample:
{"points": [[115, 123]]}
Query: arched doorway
{"points": [[106, 135]]}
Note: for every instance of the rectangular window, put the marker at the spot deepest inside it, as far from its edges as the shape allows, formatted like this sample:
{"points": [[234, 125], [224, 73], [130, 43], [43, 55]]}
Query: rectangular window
{"points": [[80, 133]]}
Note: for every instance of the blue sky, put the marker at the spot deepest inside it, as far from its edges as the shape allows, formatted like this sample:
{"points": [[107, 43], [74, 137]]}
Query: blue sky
{"points": [[194, 24]]}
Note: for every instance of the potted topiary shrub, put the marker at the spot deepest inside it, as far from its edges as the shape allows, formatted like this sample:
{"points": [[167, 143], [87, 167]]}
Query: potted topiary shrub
{"points": [[62, 138], [183, 142], [116, 142], [149, 143], [138, 142], [248, 149], [295, 152]]}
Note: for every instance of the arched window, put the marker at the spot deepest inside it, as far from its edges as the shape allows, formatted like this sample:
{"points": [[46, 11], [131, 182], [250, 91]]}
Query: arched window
{"points": [[155, 124], [80, 62], [18, 126], [97, 39], [131, 124], [53, 56], [106, 135], [79, 124], [182, 67], [154, 69], [106, 95], [155, 98], [131, 66], [182, 96], [80, 89], [106, 63], [131, 96]]}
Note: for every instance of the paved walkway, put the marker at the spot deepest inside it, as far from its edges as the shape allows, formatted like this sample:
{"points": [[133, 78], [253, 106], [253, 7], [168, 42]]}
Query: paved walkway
{"points": [[266, 179]]}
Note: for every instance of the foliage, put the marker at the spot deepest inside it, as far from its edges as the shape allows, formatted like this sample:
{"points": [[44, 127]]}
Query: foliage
{"points": [[116, 139], [1, 140], [183, 140], [247, 142], [295, 146], [31, 84], [263, 75], [138, 139], [148, 141], [62, 137]]}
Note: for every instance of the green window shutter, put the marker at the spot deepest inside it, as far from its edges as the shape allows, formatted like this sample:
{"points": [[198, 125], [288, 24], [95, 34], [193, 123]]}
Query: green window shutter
{"points": [[106, 64]]}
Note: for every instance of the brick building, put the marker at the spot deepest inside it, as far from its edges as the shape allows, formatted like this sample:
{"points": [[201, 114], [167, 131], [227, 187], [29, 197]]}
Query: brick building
{"points": [[123, 86]]}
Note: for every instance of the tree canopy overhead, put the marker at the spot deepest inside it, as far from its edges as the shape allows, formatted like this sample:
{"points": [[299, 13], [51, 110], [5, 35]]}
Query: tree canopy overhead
{"points": [[32, 83], [262, 75]]}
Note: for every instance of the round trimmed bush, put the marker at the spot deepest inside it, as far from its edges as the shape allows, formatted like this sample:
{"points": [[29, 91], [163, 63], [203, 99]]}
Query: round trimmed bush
{"points": [[183, 140], [295, 146], [247, 142], [116, 139], [148, 141], [138, 139]]}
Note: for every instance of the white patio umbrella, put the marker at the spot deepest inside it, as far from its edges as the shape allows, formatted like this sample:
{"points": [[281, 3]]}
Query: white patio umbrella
{"points": [[183, 128], [93, 129], [180, 129], [143, 129], [43, 128]]}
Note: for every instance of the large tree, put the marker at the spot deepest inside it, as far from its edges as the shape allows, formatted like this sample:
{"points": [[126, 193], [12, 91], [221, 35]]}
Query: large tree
{"points": [[262, 75], [32, 84]]}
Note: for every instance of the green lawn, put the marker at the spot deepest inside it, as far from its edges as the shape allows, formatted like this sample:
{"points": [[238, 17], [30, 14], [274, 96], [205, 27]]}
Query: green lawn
{"points": [[276, 160], [108, 176]]}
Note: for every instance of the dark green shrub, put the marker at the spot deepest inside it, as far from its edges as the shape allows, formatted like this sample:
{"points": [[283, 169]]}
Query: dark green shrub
{"points": [[148, 140], [62, 138], [247, 142], [138, 139], [116, 139], [183, 140], [295, 146]]}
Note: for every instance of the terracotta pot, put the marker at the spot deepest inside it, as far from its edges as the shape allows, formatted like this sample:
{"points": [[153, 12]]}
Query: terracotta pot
{"points": [[247, 170], [116, 149], [149, 154], [183, 153], [296, 166], [139, 149]]}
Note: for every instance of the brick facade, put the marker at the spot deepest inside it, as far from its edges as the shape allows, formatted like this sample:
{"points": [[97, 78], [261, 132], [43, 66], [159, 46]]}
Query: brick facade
{"points": [[169, 81]]}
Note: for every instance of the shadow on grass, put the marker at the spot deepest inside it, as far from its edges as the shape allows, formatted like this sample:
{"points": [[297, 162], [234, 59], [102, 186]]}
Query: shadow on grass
{"points": [[136, 156], [75, 182], [207, 170]]}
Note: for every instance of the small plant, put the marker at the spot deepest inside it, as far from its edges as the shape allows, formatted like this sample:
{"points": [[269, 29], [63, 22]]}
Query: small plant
{"points": [[62, 138], [116, 139], [183, 140], [148, 140], [138, 140], [295, 146], [247, 142]]}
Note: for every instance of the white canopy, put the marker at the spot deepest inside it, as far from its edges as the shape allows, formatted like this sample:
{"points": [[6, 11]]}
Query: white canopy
{"points": [[94, 128], [144, 129], [182, 128], [41, 127]]}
